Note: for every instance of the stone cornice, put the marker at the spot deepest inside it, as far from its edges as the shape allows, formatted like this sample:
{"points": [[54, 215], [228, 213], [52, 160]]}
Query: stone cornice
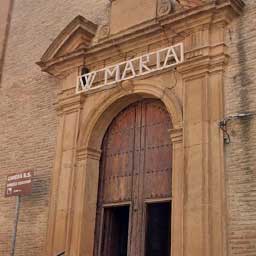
{"points": [[174, 25], [202, 64], [236, 5], [175, 19]]}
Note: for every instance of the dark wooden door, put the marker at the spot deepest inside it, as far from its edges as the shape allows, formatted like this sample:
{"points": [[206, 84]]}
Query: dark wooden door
{"points": [[135, 171]]}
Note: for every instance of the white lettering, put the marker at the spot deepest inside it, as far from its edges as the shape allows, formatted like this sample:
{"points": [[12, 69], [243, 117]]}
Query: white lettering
{"points": [[171, 55], [128, 68], [15, 177], [181, 48], [147, 63], [87, 80], [143, 60], [24, 182], [158, 60], [115, 72], [26, 175], [13, 184]]}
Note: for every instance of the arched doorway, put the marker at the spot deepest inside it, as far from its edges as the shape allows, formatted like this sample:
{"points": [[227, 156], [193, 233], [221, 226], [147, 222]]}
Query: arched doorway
{"points": [[135, 191]]}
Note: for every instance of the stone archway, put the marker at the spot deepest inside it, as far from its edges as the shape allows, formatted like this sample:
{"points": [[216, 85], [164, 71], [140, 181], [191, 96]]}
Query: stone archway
{"points": [[88, 156], [94, 126], [198, 169]]}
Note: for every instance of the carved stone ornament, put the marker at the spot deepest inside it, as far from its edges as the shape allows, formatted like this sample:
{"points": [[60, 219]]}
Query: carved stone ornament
{"points": [[164, 7], [104, 31]]}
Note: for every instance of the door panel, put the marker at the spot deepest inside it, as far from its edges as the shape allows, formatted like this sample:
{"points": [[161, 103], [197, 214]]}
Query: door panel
{"points": [[117, 156], [135, 167]]}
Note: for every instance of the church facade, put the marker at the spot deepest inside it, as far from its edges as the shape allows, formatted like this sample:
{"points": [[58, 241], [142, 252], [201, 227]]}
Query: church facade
{"points": [[138, 121]]}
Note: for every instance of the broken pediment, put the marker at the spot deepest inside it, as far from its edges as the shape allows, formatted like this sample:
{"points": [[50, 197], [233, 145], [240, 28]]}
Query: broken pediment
{"points": [[77, 36]]}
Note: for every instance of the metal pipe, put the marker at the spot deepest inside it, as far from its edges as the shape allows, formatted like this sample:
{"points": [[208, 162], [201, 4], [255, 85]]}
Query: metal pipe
{"points": [[17, 211]]}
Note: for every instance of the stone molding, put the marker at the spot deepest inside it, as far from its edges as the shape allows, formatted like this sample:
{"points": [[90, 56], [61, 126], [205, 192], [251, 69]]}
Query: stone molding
{"points": [[176, 135], [76, 37], [170, 25], [88, 153], [67, 103], [104, 31]]}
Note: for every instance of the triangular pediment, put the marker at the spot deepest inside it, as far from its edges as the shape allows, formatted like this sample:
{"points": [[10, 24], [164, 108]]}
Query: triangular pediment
{"points": [[77, 35]]}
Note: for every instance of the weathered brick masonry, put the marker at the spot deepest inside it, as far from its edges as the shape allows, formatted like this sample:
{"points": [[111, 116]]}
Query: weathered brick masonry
{"points": [[5, 19], [28, 120], [240, 154], [28, 116]]}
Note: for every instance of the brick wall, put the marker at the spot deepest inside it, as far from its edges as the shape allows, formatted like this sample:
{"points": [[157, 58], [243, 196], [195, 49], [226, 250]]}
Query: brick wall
{"points": [[28, 119], [240, 96], [5, 16]]}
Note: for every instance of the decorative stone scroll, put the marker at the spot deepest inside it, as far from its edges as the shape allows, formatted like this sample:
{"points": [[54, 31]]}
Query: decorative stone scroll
{"points": [[104, 31], [164, 7]]}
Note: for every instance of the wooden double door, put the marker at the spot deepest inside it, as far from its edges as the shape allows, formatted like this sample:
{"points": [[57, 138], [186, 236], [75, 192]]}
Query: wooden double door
{"points": [[134, 195]]}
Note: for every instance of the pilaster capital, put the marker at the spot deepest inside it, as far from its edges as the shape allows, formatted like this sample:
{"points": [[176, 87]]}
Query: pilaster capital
{"points": [[176, 135], [88, 153], [68, 103]]}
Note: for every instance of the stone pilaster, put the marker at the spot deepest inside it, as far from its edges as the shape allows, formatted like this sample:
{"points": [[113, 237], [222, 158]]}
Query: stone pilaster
{"points": [[69, 109], [84, 203], [177, 190]]}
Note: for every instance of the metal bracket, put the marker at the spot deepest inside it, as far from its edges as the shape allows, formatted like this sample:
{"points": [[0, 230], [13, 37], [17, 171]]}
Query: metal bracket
{"points": [[223, 123]]}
